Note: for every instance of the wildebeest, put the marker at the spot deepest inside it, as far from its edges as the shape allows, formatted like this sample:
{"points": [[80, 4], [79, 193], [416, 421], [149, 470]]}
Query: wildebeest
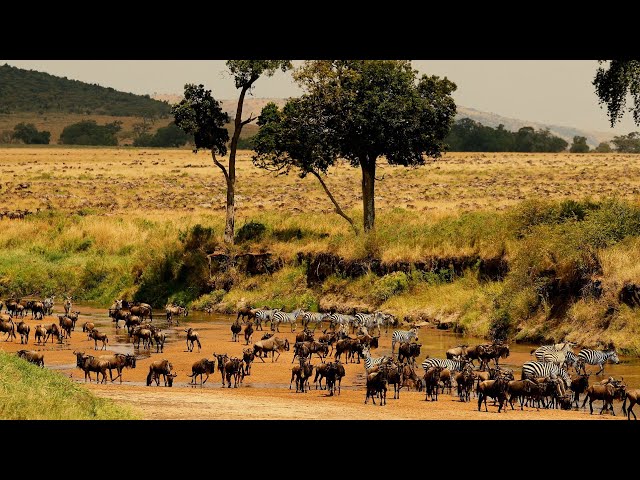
{"points": [[32, 356], [89, 363], [579, 385], [53, 331], [159, 337], [431, 382], [142, 310], [221, 359], [248, 332], [159, 367], [193, 337], [632, 396], [67, 305], [377, 385], [202, 367], [236, 328], [273, 344], [119, 361], [247, 358], [66, 324], [96, 335], [40, 334], [24, 330], [301, 373], [607, 393], [8, 327], [233, 367], [456, 353], [409, 351], [88, 326], [494, 352], [246, 313], [144, 334], [176, 310], [495, 389], [37, 310]]}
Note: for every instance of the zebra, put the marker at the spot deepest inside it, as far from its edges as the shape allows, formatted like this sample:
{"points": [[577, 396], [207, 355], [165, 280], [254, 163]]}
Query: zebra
{"points": [[264, 315], [452, 365], [284, 317], [558, 347], [562, 359], [533, 370], [340, 319], [400, 336], [595, 357], [316, 317], [370, 361], [48, 305], [371, 320]]}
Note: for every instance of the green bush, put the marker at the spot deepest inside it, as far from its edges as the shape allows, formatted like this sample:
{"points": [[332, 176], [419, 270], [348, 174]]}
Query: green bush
{"points": [[88, 132], [252, 231], [29, 134], [389, 285]]}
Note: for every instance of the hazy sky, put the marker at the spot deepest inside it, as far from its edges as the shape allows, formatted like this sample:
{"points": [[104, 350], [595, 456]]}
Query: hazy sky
{"points": [[550, 91]]}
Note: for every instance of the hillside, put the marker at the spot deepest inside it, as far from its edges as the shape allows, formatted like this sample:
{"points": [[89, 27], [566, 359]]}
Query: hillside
{"points": [[32, 91]]}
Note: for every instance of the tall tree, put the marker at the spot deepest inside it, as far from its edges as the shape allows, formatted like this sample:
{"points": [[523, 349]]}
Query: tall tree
{"points": [[245, 74], [297, 137], [614, 83], [579, 145], [379, 108]]}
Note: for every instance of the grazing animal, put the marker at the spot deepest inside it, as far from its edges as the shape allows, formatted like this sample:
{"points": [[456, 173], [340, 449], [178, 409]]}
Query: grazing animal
{"points": [[403, 336], [233, 367], [24, 330], [221, 359], [236, 328], [456, 353], [53, 331], [169, 379], [160, 338], [89, 363], [176, 310], [607, 393], [369, 361], [431, 382], [579, 385], [142, 310], [159, 367], [409, 352], [494, 352], [464, 383], [336, 319], [452, 365], [67, 306], [247, 357], [66, 324], [535, 370], [48, 305], [305, 336], [36, 358], [273, 344], [40, 334], [632, 396], [301, 373], [202, 367], [38, 310], [586, 356], [284, 317], [144, 334], [518, 390], [9, 328], [248, 332], [96, 335], [377, 385], [193, 337], [119, 361], [557, 347], [316, 317], [264, 315], [246, 313], [496, 389]]}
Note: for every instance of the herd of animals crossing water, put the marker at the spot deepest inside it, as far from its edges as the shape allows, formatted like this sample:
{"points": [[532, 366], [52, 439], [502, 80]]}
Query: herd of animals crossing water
{"points": [[325, 348]]}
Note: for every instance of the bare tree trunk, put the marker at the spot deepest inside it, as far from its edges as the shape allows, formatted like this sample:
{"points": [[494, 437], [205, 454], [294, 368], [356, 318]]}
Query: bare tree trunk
{"points": [[339, 210], [368, 191]]}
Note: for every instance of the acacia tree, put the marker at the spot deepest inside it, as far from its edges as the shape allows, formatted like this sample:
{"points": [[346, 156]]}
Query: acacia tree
{"points": [[614, 83], [245, 73], [297, 137], [378, 108]]}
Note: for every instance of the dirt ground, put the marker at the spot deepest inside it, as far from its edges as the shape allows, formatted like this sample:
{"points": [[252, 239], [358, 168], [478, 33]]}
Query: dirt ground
{"points": [[265, 394]]}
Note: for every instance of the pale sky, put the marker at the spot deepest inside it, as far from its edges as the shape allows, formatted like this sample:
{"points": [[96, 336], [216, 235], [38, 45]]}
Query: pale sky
{"points": [[555, 92]]}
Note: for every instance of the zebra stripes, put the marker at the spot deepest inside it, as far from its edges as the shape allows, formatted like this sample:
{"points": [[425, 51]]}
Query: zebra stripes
{"points": [[313, 317], [370, 361], [533, 370], [400, 336], [340, 319], [596, 357], [284, 317], [264, 316], [453, 365], [558, 347]]}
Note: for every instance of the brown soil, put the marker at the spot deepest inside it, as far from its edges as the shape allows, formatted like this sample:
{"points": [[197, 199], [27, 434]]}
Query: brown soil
{"points": [[265, 393]]}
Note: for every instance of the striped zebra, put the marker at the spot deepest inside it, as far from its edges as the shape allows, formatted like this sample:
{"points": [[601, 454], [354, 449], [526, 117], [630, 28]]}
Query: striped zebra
{"points": [[400, 336], [265, 316], [316, 317], [533, 370], [371, 320], [452, 365], [562, 359], [284, 317], [558, 347], [369, 361], [339, 319], [595, 357]]}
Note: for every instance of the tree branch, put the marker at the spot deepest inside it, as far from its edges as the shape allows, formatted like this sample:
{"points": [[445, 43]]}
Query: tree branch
{"points": [[338, 210], [224, 170], [248, 120]]}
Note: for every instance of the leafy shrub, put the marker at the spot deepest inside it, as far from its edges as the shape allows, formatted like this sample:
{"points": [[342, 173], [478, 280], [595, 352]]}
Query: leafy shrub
{"points": [[389, 285], [250, 231]]}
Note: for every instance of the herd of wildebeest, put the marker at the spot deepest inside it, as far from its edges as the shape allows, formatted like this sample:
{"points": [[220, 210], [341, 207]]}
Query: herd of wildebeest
{"points": [[337, 340]]}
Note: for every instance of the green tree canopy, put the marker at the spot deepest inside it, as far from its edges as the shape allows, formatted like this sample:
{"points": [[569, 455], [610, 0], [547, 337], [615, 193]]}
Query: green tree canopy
{"points": [[169, 136], [603, 147], [613, 83], [29, 134], [88, 132], [627, 143], [378, 108], [579, 145]]}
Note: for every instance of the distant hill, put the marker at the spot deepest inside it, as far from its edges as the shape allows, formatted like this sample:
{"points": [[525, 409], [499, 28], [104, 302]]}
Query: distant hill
{"points": [[254, 105], [32, 91]]}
